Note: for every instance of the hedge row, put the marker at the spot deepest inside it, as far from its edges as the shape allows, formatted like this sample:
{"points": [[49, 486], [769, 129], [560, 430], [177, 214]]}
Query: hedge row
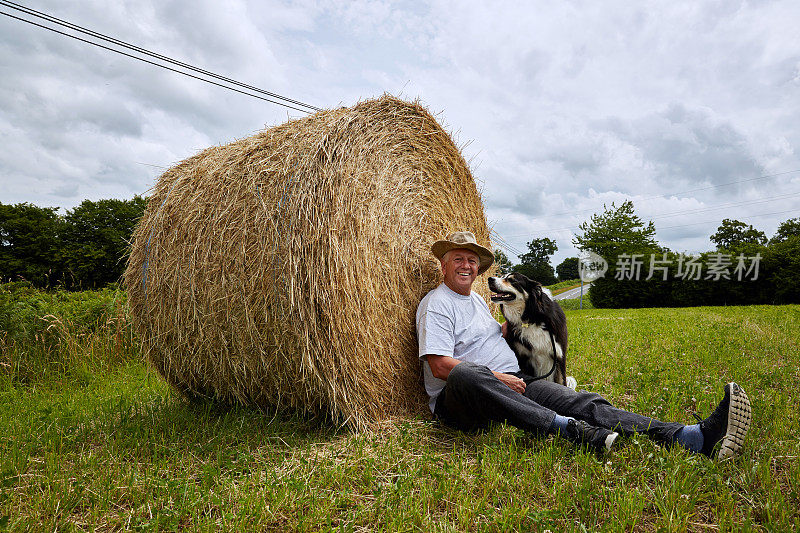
{"points": [[725, 278]]}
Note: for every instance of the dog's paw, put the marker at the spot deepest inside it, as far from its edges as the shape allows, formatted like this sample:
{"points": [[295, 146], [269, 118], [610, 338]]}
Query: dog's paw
{"points": [[572, 383]]}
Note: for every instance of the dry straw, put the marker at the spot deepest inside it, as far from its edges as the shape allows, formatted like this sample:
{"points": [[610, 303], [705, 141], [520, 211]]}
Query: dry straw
{"points": [[284, 269]]}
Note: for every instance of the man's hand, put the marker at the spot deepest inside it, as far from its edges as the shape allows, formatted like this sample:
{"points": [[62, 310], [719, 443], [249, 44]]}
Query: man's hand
{"points": [[504, 328], [514, 383]]}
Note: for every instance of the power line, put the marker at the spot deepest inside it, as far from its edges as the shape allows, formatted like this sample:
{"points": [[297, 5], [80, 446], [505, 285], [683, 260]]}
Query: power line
{"points": [[666, 215], [674, 213], [517, 252], [64, 23], [118, 42], [498, 241], [724, 206], [512, 252], [508, 249], [684, 225], [153, 63], [151, 165], [714, 221], [505, 244], [501, 245], [676, 193]]}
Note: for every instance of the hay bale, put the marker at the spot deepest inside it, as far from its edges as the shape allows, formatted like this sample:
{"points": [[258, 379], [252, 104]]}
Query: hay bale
{"points": [[284, 269]]}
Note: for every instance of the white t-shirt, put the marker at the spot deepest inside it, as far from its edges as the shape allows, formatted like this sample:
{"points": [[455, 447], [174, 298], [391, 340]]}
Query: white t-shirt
{"points": [[460, 327]]}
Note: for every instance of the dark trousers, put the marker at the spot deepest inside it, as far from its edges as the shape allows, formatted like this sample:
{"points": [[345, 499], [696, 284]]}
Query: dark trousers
{"points": [[473, 397]]}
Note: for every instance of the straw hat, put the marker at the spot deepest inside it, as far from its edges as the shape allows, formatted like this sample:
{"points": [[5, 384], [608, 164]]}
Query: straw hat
{"points": [[464, 240]]}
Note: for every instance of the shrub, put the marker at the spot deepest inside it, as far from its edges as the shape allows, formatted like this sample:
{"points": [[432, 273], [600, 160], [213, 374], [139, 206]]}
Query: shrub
{"points": [[781, 267], [774, 284], [45, 332]]}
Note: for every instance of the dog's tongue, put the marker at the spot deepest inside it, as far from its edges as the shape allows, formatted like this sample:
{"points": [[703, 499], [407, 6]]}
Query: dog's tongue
{"points": [[501, 297]]}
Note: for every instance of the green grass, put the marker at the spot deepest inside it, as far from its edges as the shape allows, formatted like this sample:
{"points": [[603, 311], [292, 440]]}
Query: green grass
{"points": [[61, 333], [562, 286], [111, 447], [574, 304]]}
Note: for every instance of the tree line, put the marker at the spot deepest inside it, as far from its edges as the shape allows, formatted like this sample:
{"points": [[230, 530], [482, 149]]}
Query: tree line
{"points": [[746, 267], [86, 248], [535, 263]]}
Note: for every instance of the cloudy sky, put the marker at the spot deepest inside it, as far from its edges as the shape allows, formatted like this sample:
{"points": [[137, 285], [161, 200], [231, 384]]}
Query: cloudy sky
{"points": [[689, 108]]}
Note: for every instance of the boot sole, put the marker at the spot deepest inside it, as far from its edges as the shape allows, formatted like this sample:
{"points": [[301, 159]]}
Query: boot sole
{"points": [[739, 418]]}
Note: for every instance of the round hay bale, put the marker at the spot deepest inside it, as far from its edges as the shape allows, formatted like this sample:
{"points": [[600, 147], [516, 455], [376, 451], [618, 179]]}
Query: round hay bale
{"points": [[284, 269]]}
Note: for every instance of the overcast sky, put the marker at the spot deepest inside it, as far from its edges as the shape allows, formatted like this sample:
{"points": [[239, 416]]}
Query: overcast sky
{"points": [[565, 105]]}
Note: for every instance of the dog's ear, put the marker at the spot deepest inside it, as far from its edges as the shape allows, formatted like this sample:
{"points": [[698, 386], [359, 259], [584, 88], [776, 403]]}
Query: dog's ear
{"points": [[538, 290], [533, 301], [522, 278]]}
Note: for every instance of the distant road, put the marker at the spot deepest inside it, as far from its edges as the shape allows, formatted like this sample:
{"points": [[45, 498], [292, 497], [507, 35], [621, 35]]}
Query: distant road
{"points": [[573, 293]]}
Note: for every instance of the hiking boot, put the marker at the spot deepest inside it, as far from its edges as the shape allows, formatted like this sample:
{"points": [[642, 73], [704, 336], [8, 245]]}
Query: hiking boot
{"points": [[598, 439], [728, 423]]}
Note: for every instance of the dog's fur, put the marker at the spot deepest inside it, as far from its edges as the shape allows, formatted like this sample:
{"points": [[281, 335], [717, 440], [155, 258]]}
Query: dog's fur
{"points": [[532, 315]]}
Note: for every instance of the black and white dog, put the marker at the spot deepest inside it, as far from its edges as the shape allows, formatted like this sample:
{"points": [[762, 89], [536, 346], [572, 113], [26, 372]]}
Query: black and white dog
{"points": [[537, 327]]}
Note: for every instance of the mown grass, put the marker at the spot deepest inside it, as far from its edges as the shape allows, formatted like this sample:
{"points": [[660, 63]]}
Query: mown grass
{"points": [[574, 304], [114, 448], [565, 285]]}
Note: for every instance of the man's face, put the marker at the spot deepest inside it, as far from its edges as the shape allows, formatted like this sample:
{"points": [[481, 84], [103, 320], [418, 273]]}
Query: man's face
{"points": [[460, 268]]}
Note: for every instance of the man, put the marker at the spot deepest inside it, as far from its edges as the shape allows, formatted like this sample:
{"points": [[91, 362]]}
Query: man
{"points": [[473, 378]]}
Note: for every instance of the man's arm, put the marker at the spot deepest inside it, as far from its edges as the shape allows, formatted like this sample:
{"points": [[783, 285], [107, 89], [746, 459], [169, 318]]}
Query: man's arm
{"points": [[441, 365]]}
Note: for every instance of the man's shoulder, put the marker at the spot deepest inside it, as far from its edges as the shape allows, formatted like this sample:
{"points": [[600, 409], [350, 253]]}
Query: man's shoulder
{"points": [[438, 296], [432, 295], [443, 295], [437, 300]]}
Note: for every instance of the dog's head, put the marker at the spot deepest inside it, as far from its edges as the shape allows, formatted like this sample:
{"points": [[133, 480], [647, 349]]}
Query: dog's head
{"points": [[521, 299]]}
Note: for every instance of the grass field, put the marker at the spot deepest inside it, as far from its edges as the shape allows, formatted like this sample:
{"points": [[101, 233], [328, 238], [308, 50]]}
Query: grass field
{"points": [[97, 441]]}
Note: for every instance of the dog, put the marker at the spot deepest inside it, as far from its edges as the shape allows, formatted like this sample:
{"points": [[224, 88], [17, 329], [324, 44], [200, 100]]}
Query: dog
{"points": [[537, 327]]}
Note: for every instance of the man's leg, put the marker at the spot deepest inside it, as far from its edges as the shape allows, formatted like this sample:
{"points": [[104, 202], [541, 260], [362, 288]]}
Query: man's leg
{"points": [[597, 411], [727, 425], [473, 397]]}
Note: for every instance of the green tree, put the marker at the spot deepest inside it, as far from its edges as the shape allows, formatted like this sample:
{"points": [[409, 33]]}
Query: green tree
{"points": [[502, 263], [95, 240], [781, 265], [732, 234], [787, 229], [567, 269], [29, 244], [615, 233], [536, 262], [617, 230]]}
